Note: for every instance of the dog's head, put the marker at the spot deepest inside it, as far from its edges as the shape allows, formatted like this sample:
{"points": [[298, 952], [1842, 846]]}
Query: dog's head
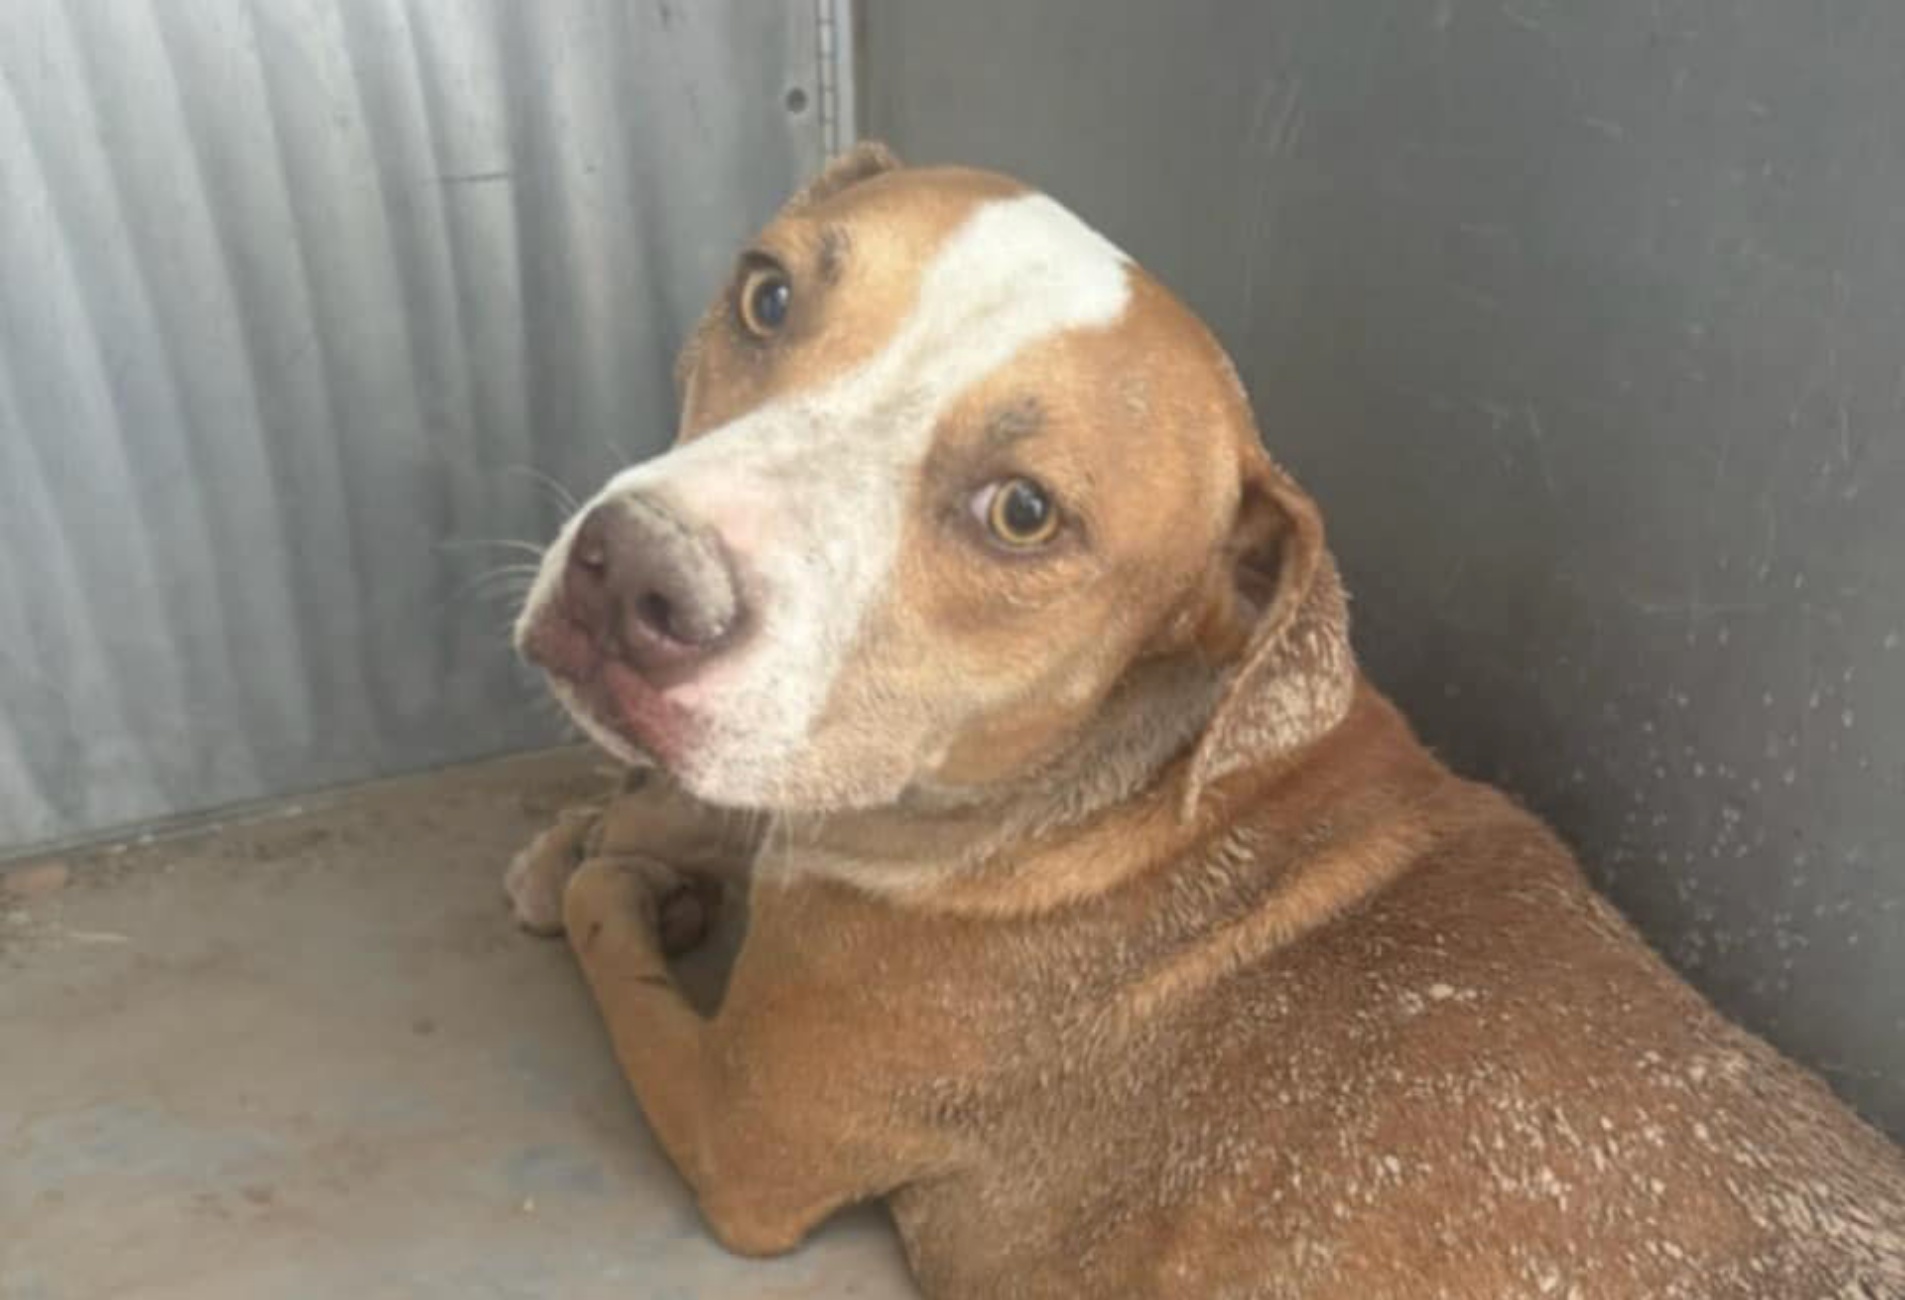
{"points": [[949, 467]]}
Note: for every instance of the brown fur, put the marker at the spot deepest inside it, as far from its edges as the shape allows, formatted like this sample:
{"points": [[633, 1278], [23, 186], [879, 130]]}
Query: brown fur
{"points": [[1182, 968]]}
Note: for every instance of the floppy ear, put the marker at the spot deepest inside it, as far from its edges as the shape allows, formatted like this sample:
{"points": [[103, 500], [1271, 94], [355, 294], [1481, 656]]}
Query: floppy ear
{"points": [[1280, 617], [863, 161]]}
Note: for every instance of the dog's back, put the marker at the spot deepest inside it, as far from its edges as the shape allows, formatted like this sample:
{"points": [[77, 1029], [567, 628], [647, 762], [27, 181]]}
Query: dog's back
{"points": [[1477, 1082]]}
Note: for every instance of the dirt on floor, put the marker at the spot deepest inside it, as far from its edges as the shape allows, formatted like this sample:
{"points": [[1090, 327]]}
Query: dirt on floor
{"points": [[306, 1054]]}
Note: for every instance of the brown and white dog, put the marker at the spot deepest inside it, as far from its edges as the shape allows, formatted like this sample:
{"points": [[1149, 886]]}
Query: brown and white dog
{"points": [[1109, 925]]}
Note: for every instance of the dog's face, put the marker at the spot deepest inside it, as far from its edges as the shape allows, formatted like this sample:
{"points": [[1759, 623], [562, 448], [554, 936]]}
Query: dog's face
{"points": [[949, 464]]}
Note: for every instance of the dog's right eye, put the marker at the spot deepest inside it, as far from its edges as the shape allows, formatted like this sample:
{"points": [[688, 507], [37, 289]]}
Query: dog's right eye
{"points": [[766, 295], [1018, 512]]}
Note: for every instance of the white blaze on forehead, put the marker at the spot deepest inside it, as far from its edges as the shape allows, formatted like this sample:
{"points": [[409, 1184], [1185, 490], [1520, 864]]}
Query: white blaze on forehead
{"points": [[811, 488]]}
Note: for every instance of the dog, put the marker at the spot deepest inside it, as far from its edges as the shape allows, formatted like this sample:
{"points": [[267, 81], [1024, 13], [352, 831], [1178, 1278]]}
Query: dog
{"points": [[1105, 921]]}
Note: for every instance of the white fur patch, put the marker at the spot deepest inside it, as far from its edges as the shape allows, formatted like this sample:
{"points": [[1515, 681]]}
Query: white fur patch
{"points": [[810, 489]]}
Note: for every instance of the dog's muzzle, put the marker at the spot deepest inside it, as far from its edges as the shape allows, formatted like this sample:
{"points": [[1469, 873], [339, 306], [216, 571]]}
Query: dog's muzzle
{"points": [[642, 587]]}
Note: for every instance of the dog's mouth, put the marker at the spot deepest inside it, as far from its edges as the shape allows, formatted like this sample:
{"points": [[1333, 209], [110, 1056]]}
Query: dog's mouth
{"points": [[647, 726], [616, 705]]}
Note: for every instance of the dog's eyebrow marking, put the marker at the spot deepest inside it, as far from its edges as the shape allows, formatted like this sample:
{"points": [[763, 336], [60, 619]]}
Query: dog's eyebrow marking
{"points": [[835, 243], [1014, 423]]}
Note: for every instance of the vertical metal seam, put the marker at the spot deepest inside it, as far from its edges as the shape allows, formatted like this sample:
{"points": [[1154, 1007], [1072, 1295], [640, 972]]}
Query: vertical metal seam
{"points": [[833, 31]]}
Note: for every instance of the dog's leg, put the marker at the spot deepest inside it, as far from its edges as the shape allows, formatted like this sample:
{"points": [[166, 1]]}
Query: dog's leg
{"points": [[538, 874], [764, 1172], [648, 816]]}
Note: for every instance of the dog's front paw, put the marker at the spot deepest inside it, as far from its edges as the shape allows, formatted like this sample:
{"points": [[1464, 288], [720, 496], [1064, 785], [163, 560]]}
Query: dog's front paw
{"points": [[538, 875], [633, 899]]}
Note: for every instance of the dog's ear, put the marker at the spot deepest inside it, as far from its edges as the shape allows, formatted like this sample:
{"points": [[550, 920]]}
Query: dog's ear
{"points": [[1277, 616], [865, 160]]}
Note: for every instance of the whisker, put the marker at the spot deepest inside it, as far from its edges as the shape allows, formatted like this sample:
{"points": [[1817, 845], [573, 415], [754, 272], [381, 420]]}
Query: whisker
{"points": [[501, 543], [461, 461], [617, 450], [510, 570], [564, 497], [511, 581], [496, 586]]}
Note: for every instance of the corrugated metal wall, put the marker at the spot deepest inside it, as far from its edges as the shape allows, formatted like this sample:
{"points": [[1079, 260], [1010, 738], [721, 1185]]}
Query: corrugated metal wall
{"points": [[1587, 325], [303, 308]]}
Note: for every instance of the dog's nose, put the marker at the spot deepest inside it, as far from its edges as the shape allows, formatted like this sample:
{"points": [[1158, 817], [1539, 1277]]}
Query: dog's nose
{"points": [[649, 586]]}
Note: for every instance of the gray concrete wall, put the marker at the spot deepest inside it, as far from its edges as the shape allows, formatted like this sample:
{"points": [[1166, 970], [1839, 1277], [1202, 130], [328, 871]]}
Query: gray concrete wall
{"points": [[1587, 325]]}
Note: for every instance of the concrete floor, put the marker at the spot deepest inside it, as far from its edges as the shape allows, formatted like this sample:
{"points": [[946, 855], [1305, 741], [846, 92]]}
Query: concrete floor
{"points": [[308, 1055]]}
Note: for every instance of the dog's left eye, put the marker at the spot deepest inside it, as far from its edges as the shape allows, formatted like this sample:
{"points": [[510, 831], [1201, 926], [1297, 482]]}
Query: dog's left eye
{"points": [[766, 295], [1017, 511]]}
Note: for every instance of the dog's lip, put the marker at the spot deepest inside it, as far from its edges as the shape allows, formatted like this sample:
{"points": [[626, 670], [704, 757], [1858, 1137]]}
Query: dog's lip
{"points": [[639, 703], [618, 698], [606, 688], [560, 646]]}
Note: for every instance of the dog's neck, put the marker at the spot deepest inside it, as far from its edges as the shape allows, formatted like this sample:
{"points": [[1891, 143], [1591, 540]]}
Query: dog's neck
{"points": [[936, 835], [1134, 775]]}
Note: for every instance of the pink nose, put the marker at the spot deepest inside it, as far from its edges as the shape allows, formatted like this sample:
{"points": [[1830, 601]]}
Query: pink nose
{"points": [[649, 589]]}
